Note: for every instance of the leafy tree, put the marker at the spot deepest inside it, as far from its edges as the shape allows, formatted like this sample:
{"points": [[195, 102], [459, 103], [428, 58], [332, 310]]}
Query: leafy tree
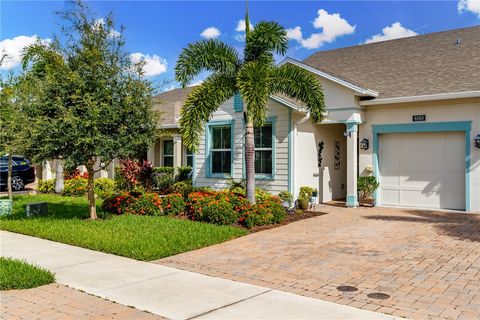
{"points": [[255, 76], [12, 121], [93, 103]]}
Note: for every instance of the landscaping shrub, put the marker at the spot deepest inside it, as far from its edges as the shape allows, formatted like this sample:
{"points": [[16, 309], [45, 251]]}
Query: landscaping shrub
{"points": [[173, 204], [78, 187], [72, 173], [104, 187], [266, 211], [133, 203], [75, 187], [182, 187], [184, 173], [286, 197], [217, 212], [162, 182], [145, 204], [46, 186], [134, 175], [117, 204]]}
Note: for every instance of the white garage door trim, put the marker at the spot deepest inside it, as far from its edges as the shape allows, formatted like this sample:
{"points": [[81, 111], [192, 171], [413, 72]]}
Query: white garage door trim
{"points": [[464, 126]]}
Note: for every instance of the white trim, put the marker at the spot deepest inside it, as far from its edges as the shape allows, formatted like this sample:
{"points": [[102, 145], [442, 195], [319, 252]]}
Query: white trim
{"points": [[288, 103], [427, 97], [169, 126], [354, 87]]}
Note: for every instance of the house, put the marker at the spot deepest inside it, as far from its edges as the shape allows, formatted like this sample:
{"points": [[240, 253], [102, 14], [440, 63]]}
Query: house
{"points": [[406, 111]]}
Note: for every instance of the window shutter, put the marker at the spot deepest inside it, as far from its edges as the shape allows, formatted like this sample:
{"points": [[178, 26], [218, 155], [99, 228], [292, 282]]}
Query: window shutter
{"points": [[237, 103]]}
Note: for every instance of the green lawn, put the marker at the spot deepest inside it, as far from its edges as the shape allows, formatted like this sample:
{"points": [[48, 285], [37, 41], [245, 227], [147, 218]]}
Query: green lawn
{"points": [[16, 274], [138, 237]]}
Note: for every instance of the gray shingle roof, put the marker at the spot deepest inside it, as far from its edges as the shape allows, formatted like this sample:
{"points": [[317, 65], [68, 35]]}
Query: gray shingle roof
{"points": [[170, 103], [420, 65]]}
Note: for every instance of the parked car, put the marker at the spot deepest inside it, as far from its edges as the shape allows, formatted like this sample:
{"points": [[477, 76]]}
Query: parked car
{"points": [[23, 172]]}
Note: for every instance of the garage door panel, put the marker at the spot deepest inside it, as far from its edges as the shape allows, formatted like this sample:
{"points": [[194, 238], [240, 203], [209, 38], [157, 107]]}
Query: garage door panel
{"points": [[390, 197], [413, 198], [454, 182], [391, 181], [455, 200], [391, 166], [420, 163], [455, 163], [422, 181], [455, 143], [425, 145], [422, 169]]}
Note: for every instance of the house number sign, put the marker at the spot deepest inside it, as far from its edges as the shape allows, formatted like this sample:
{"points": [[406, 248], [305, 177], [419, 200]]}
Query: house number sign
{"points": [[419, 117]]}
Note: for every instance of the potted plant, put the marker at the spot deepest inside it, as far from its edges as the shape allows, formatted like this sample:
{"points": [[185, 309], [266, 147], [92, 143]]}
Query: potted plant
{"points": [[366, 187], [304, 197]]}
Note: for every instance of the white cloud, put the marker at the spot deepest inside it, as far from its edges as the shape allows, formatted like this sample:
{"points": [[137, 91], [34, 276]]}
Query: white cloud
{"points": [[113, 33], [241, 26], [210, 33], [395, 31], [469, 5], [332, 25], [240, 36], [154, 65], [13, 49]]}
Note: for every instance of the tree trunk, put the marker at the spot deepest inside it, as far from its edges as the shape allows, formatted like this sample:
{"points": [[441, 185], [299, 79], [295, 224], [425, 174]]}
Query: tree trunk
{"points": [[59, 176], [9, 177], [250, 161], [91, 192]]}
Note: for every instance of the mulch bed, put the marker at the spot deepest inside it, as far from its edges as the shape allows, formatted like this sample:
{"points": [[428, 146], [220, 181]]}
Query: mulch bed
{"points": [[290, 218]]}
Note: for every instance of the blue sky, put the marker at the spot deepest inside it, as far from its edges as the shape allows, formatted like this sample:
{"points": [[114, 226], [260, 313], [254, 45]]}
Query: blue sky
{"points": [[158, 30]]}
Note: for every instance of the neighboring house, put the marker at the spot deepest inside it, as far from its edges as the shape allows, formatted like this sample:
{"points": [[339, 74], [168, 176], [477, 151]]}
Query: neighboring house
{"points": [[416, 100]]}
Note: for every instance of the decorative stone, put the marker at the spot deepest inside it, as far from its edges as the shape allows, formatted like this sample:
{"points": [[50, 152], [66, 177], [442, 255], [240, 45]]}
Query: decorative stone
{"points": [[6, 206], [37, 209]]}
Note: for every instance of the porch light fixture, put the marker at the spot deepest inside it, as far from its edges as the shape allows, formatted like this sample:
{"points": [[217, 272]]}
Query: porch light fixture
{"points": [[364, 144], [476, 141]]}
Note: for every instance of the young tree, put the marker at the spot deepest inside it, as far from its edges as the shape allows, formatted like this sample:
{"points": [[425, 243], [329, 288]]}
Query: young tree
{"points": [[95, 103], [255, 76], [13, 135]]}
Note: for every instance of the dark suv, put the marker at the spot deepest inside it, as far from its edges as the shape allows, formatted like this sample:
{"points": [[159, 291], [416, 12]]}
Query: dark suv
{"points": [[22, 172]]}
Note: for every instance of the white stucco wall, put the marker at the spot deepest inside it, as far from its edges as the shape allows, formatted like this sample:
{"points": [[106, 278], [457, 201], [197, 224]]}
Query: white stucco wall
{"points": [[330, 182], [439, 111]]}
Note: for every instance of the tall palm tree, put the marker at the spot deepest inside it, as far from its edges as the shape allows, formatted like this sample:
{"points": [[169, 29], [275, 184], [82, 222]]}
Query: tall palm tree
{"points": [[254, 76]]}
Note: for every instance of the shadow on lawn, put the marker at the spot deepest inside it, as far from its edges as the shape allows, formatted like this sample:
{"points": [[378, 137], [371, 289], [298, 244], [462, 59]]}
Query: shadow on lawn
{"points": [[463, 226]]}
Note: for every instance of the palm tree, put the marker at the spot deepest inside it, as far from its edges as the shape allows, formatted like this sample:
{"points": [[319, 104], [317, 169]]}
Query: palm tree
{"points": [[254, 76]]}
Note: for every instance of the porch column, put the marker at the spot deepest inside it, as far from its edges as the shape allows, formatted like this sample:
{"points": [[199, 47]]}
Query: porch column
{"points": [[151, 154], [352, 160], [177, 150]]}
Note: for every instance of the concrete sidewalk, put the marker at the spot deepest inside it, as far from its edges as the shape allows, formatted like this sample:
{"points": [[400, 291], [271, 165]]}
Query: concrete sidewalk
{"points": [[165, 291]]}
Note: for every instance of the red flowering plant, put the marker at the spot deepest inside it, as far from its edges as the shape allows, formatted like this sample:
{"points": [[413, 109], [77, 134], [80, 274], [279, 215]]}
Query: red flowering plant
{"points": [[118, 204], [196, 200], [265, 211], [134, 203], [173, 204]]}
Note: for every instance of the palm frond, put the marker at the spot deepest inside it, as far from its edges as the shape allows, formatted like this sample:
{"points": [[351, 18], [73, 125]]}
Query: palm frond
{"points": [[301, 85], [201, 103], [253, 84], [267, 38], [211, 55]]}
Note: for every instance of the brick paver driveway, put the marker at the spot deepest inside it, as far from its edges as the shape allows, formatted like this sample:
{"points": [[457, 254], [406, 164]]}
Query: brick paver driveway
{"points": [[428, 262], [55, 301]]}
